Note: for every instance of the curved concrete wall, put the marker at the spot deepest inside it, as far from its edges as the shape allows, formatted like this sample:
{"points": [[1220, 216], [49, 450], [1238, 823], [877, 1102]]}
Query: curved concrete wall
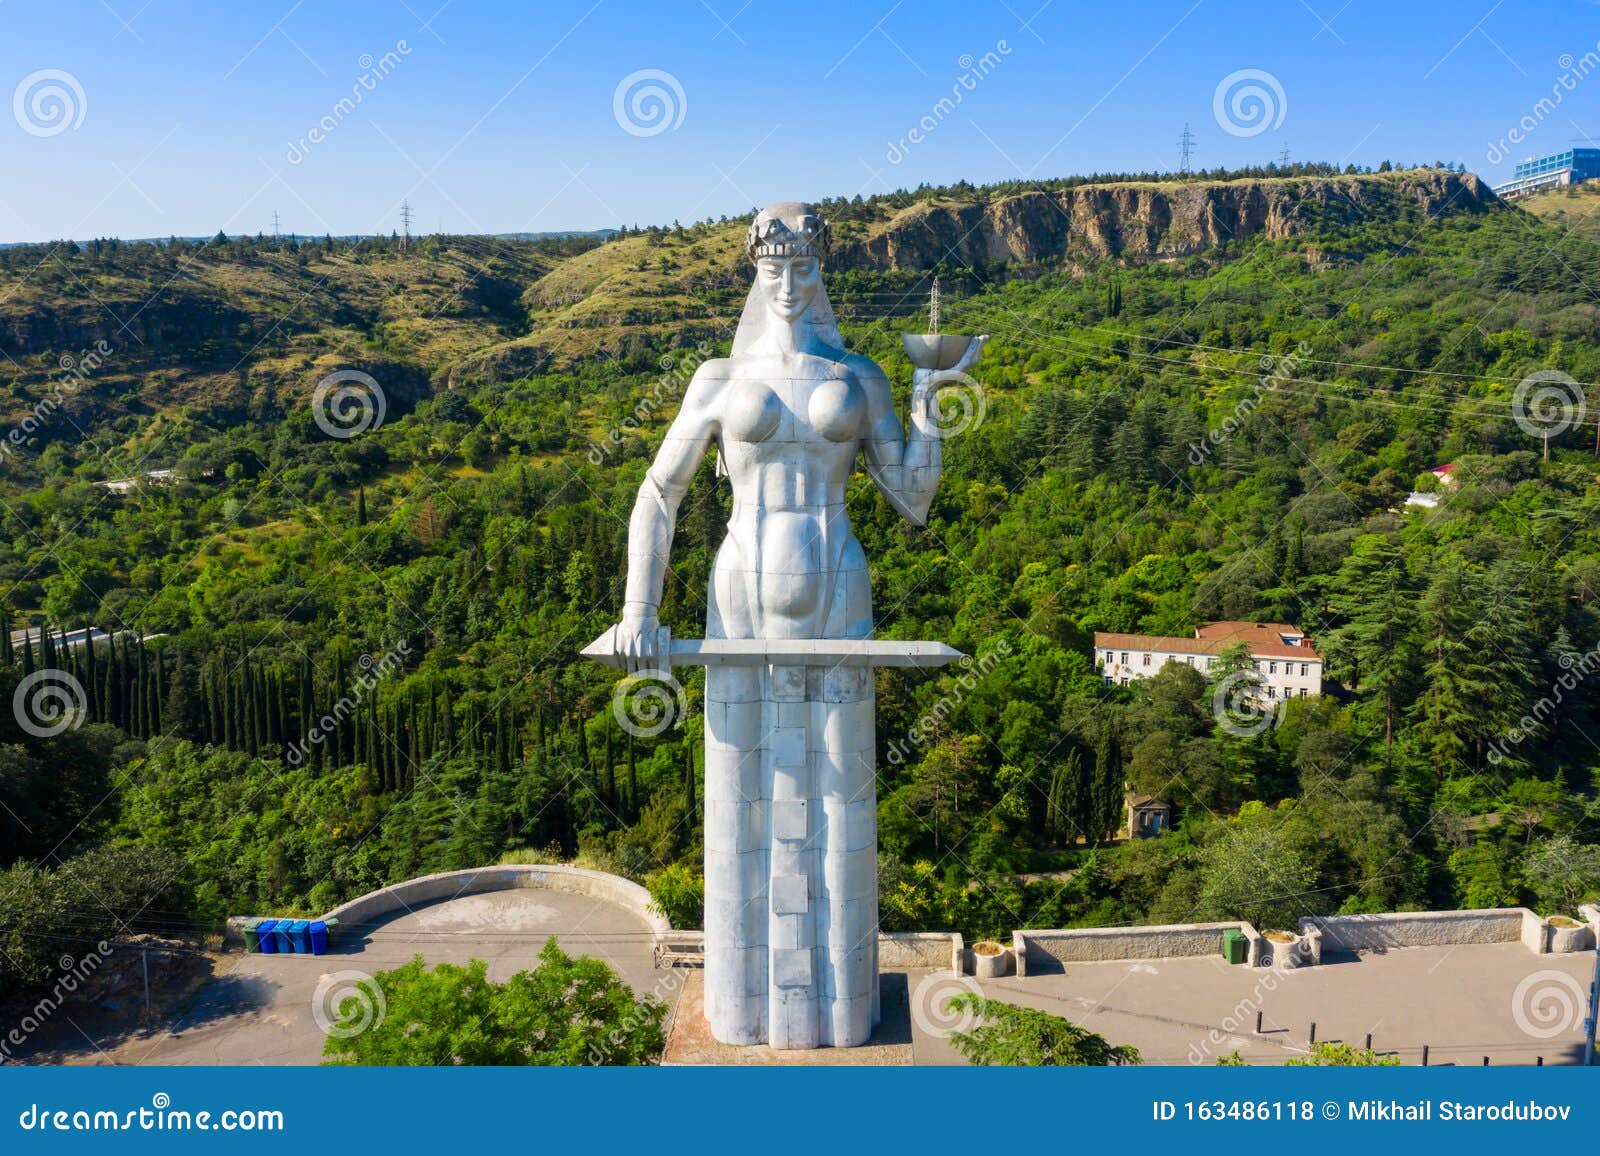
{"points": [[475, 881], [452, 884]]}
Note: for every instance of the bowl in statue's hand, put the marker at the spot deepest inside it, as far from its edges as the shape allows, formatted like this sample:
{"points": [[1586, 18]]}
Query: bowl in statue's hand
{"points": [[935, 351]]}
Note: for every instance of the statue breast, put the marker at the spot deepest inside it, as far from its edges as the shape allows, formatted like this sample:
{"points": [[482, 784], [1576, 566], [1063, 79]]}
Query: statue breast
{"points": [[836, 409], [753, 414]]}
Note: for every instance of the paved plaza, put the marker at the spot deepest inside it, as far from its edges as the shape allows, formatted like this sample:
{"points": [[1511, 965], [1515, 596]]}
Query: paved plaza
{"points": [[1463, 1002]]}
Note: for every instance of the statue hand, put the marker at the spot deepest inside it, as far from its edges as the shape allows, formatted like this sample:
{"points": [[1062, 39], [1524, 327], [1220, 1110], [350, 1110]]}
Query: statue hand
{"points": [[928, 380], [636, 638], [970, 357]]}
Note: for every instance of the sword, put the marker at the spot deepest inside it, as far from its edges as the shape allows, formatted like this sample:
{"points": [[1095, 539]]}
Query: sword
{"points": [[776, 651]]}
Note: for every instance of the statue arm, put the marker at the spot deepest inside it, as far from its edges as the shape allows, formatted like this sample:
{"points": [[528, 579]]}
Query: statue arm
{"points": [[655, 517], [906, 467]]}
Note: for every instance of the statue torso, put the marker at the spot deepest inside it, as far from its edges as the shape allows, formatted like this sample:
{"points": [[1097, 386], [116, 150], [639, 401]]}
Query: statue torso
{"points": [[789, 431]]}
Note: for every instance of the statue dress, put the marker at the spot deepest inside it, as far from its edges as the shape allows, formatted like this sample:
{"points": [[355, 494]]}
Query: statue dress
{"points": [[791, 886]]}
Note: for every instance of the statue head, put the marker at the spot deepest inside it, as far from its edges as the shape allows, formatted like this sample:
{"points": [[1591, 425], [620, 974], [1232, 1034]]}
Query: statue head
{"points": [[788, 242]]}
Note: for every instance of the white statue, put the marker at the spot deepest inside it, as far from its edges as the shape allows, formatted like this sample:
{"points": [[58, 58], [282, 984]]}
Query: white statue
{"points": [[791, 912]]}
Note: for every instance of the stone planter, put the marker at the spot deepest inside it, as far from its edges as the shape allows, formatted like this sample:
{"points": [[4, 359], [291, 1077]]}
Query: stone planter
{"points": [[1567, 935], [1283, 949], [990, 960]]}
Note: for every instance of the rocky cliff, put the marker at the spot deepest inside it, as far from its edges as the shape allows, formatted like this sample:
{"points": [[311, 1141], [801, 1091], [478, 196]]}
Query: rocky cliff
{"points": [[1151, 221]]}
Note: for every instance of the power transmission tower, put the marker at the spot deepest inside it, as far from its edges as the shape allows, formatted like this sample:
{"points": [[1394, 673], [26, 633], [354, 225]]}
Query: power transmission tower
{"points": [[1283, 157], [1185, 148], [405, 224], [933, 308], [275, 234]]}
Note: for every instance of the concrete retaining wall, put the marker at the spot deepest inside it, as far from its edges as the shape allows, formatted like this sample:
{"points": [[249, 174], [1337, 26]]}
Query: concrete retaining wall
{"points": [[1430, 928], [452, 884], [1088, 944], [917, 949]]}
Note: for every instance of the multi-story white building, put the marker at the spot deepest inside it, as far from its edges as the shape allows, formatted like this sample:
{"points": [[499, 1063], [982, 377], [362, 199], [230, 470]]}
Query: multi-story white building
{"points": [[1289, 665]]}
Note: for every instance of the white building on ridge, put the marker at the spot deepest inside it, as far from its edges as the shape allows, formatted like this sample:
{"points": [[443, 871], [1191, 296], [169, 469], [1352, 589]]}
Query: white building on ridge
{"points": [[1289, 665]]}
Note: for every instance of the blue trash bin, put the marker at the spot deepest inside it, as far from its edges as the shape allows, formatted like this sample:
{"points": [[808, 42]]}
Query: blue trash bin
{"points": [[281, 934], [300, 936], [267, 938], [319, 937]]}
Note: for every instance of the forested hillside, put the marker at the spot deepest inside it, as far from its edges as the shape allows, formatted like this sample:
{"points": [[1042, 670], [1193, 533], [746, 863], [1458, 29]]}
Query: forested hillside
{"points": [[1177, 424]]}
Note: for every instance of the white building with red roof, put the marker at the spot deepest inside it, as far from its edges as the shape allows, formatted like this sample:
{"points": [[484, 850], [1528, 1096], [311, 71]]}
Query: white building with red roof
{"points": [[1285, 658]]}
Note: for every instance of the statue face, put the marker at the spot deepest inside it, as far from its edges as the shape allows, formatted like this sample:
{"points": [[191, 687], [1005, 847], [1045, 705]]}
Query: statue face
{"points": [[789, 284]]}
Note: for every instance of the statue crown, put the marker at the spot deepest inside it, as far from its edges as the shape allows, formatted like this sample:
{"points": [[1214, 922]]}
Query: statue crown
{"points": [[788, 229]]}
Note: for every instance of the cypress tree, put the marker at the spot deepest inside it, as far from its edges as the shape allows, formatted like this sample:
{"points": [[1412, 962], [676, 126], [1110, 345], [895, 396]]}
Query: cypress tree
{"points": [[611, 771], [1107, 791], [154, 693], [633, 782]]}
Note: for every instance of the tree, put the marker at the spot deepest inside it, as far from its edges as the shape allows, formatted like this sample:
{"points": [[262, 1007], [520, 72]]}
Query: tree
{"points": [[1066, 811], [1012, 1036], [564, 1012], [1374, 650], [1258, 868], [1329, 1055], [1106, 788]]}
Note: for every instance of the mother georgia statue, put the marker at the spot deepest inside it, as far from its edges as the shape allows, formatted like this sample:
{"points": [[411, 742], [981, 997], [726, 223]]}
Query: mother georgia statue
{"points": [[791, 911]]}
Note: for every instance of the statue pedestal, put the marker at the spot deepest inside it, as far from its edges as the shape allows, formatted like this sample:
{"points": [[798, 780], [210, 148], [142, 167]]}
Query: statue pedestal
{"points": [[791, 831]]}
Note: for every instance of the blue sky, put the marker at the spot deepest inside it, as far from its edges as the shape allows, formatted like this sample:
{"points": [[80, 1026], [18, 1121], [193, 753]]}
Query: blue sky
{"points": [[498, 117]]}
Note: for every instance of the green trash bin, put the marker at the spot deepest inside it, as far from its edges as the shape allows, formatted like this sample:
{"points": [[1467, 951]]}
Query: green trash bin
{"points": [[252, 935], [1235, 947], [333, 932]]}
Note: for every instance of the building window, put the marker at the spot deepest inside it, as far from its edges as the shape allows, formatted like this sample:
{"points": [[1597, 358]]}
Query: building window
{"points": [[1147, 659], [1124, 658], [1302, 692], [1272, 692], [1304, 667], [1272, 668]]}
